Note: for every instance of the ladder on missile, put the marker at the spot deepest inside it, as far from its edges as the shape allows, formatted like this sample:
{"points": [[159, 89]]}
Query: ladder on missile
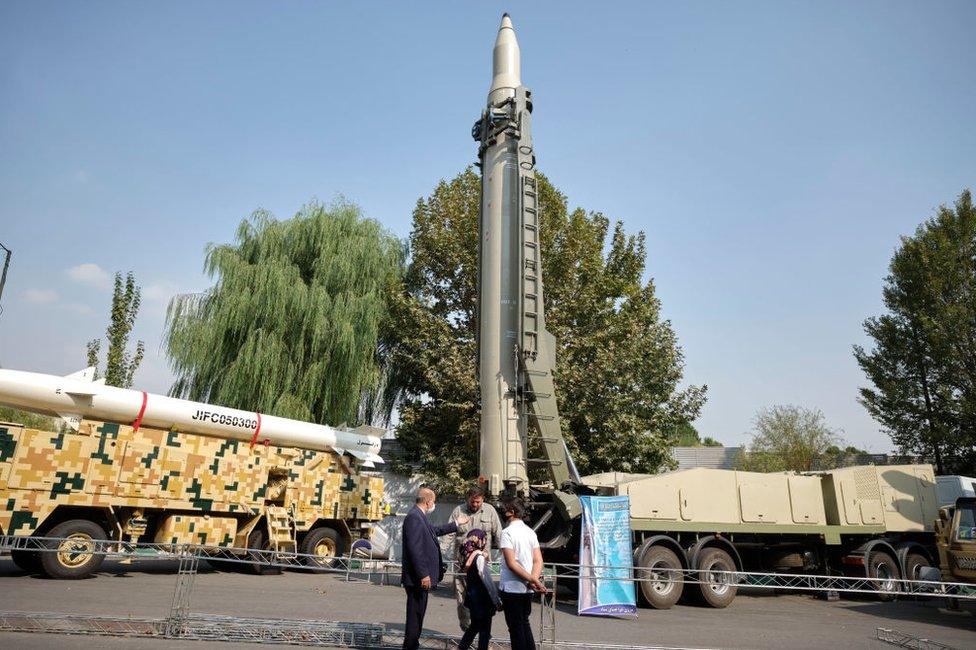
{"points": [[537, 355], [281, 530]]}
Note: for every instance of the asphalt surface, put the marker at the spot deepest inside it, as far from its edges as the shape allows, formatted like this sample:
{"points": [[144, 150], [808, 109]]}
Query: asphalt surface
{"points": [[755, 620]]}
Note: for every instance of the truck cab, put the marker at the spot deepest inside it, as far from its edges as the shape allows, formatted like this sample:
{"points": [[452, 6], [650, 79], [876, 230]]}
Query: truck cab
{"points": [[955, 532]]}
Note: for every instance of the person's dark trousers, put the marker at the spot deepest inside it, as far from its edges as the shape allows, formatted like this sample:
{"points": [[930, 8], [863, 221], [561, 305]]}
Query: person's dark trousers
{"points": [[517, 610], [481, 627], [416, 609]]}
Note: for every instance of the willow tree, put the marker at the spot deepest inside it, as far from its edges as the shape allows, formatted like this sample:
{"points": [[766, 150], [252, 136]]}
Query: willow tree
{"points": [[292, 324]]}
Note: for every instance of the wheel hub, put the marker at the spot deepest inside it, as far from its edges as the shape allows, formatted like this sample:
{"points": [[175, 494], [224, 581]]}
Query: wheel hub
{"points": [[76, 550]]}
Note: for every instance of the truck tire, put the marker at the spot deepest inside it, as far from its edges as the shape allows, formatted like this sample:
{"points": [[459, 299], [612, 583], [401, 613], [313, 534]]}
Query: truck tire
{"points": [[914, 563], [659, 588], [884, 568], [29, 561], [324, 545], [258, 539], [716, 591], [74, 557]]}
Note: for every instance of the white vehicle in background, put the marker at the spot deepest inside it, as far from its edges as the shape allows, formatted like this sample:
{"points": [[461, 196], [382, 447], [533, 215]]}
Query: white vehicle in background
{"points": [[950, 488]]}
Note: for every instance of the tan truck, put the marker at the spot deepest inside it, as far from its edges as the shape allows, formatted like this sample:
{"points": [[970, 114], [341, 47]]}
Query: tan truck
{"points": [[108, 481], [859, 521], [955, 535]]}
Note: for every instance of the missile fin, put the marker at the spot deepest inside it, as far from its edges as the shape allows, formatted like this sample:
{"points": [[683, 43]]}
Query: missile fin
{"points": [[87, 374], [367, 430], [81, 393], [73, 420]]}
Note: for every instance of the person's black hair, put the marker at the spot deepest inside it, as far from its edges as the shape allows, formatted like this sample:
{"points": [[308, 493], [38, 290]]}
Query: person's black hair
{"points": [[474, 491], [515, 505]]}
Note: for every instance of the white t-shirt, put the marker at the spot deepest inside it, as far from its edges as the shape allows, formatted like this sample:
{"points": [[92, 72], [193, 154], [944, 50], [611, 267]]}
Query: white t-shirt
{"points": [[523, 540]]}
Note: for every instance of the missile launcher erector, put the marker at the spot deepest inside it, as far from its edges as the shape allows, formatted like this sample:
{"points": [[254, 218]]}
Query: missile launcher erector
{"points": [[516, 354]]}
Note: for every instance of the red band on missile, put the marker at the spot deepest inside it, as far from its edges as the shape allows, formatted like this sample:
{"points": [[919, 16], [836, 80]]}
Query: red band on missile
{"points": [[257, 430], [142, 411]]}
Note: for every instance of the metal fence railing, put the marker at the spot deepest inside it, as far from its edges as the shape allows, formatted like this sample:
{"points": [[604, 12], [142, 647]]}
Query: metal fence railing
{"points": [[181, 623]]}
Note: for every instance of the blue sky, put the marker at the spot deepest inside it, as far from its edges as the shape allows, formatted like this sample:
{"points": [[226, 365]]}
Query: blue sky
{"points": [[773, 152]]}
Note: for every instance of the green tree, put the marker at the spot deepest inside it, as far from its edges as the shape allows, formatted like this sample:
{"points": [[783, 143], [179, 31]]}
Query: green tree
{"points": [[120, 365], [28, 419], [787, 438], [618, 362], [292, 326], [688, 436], [923, 365]]}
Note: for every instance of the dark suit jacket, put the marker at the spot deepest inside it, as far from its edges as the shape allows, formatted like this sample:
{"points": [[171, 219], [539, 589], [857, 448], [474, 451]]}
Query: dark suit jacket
{"points": [[421, 552]]}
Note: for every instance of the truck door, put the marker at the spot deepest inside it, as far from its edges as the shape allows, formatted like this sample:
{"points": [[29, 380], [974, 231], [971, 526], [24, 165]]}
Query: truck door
{"points": [[961, 550]]}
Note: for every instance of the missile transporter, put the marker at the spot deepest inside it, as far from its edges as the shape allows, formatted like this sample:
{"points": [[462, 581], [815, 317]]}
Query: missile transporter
{"points": [[860, 521], [863, 521], [109, 481]]}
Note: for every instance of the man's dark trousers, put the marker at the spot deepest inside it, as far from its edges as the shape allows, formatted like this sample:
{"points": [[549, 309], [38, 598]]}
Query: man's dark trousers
{"points": [[518, 607], [416, 608]]}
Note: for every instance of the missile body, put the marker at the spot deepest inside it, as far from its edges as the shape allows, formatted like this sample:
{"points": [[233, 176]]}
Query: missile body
{"points": [[76, 396], [516, 354]]}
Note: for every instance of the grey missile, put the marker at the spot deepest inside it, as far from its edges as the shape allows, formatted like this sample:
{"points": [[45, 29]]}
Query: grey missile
{"points": [[516, 354]]}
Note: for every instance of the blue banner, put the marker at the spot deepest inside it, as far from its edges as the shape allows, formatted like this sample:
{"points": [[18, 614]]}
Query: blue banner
{"points": [[606, 559]]}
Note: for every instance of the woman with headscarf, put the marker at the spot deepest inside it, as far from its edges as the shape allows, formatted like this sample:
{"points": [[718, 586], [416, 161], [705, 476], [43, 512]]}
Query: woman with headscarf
{"points": [[481, 597]]}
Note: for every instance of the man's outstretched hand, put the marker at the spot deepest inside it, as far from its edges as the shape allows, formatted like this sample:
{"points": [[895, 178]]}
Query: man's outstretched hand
{"points": [[462, 520]]}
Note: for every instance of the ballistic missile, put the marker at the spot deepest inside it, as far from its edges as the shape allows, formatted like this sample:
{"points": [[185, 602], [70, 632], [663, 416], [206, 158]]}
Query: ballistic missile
{"points": [[79, 395], [516, 354]]}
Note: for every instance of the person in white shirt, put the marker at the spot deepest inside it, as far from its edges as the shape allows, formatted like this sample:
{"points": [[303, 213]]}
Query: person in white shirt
{"points": [[521, 573]]}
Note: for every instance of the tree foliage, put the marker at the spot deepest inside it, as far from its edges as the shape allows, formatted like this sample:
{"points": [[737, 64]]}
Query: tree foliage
{"points": [[120, 365], [923, 365], [618, 362], [688, 436], [292, 325], [28, 419], [788, 438]]}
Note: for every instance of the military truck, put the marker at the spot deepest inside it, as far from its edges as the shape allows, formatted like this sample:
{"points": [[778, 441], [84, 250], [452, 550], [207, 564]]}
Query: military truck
{"points": [[109, 481], [868, 521], [955, 536]]}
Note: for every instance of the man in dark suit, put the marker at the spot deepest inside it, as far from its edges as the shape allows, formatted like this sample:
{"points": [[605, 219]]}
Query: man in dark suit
{"points": [[423, 566]]}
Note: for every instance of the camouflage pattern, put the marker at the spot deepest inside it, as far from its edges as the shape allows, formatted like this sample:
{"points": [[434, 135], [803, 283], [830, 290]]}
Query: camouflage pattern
{"points": [[219, 488]]}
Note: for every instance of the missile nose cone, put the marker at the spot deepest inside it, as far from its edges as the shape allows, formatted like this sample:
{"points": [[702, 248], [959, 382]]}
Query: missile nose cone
{"points": [[506, 62]]}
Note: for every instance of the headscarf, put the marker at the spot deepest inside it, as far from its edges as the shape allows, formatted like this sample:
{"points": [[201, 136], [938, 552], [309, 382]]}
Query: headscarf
{"points": [[476, 540]]}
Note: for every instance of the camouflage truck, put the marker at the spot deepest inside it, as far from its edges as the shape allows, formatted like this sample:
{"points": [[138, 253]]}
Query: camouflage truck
{"points": [[108, 481]]}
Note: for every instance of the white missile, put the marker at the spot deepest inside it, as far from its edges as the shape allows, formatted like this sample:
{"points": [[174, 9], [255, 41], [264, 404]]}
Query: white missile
{"points": [[77, 396]]}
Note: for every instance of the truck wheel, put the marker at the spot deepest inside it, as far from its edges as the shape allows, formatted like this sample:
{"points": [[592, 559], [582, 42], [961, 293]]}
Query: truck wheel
{"points": [[75, 556], [884, 569], [29, 561], [323, 545], [716, 588], [258, 539], [914, 563], [661, 581]]}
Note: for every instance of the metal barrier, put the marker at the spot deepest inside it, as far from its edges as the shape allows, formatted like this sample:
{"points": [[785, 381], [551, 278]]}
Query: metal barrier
{"points": [[182, 624]]}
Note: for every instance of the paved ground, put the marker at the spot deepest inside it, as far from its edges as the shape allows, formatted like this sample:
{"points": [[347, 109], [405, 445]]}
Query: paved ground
{"points": [[758, 620]]}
